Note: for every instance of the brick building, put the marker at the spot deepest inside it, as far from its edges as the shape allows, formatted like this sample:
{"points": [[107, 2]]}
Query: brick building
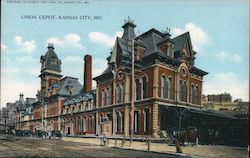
{"points": [[165, 75], [224, 97]]}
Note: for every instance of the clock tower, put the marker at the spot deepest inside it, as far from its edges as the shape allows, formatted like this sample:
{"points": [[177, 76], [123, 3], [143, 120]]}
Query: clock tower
{"points": [[50, 70]]}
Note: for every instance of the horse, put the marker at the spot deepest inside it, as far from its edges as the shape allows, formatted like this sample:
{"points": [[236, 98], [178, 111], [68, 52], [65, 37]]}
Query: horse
{"points": [[189, 135]]}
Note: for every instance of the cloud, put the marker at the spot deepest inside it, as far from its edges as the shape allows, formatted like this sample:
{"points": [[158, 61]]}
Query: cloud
{"points": [[73, 66], [71, 40], [21, 67], [227, 82], [99, 65], [103, 38], [25, 46], [199, 37], [3, 47], [72, 59], [25, 59], [236, 58], [226, 56]]}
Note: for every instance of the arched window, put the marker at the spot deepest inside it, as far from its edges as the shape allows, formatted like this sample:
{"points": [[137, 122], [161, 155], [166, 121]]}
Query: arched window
{"points": [[85, 124], [143, 88], [123, 92], [146, 120], [93, 123], [137, 89], [103, 98], [118, 93], [136, 121], [184, 91], [192, 94], [180, 90], [122, 121], [197, 95], [170, 95], [163, 87], [109, 96], [117, 124], [80, 124]]}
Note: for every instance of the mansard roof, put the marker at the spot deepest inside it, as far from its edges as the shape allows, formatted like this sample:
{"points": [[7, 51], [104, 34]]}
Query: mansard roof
{"points": [[69, 86], [151, 38], [50, 61], [151, 42], [198, 71], [83, 97]]}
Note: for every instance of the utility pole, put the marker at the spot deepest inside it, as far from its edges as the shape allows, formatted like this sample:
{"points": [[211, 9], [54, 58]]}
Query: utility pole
{"points": [[5, 116], [132, 95], [42, 106]]}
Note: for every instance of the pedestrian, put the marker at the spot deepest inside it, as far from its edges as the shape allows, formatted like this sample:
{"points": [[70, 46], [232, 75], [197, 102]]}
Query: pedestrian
{"points": [[197, 141], [49, 134]]}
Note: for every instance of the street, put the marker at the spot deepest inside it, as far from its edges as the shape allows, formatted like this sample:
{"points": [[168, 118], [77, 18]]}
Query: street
{"points": [[34, 147]]}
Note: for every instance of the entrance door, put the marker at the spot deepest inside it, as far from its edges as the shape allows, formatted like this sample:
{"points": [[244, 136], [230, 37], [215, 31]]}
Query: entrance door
{"points": [[68, 130]]}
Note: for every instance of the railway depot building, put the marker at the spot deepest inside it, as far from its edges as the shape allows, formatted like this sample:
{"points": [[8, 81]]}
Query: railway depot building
{"points": [[165, 76]]}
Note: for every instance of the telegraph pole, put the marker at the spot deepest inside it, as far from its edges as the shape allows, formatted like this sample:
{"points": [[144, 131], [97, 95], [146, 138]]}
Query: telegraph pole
{"points": [[5, 116], [132, 95]]}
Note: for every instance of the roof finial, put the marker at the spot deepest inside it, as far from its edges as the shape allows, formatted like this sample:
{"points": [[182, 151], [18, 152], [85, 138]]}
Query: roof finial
{"points": [[50, 45], [167, 32], [129, 20]]}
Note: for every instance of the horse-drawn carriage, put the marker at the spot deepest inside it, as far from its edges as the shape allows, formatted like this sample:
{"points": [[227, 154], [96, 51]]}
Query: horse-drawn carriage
{"points": [[188, 135]]}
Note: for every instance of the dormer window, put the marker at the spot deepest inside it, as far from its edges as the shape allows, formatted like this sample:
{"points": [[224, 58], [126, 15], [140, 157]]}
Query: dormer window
{"points": [[53, 61], [167, 48]]}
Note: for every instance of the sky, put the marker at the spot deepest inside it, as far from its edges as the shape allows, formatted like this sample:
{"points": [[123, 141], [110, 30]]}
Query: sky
{"points": [[219, 33]]}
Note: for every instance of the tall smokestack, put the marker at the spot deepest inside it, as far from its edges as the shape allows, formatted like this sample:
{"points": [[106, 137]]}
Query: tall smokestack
{"points": [[87, 73]]}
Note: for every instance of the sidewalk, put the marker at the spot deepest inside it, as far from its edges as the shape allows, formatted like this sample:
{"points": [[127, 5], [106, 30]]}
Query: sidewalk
{"points": [[193, 151]]}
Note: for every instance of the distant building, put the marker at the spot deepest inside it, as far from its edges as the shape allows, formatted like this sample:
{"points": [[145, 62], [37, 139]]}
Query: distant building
{"points": [[204, 99], [14, 111], [225, 97]]}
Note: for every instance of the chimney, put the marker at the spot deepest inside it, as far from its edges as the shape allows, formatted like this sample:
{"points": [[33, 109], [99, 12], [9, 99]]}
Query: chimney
{"points": [[87, 73]]}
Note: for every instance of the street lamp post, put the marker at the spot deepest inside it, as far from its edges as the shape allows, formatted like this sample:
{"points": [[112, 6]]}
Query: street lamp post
{"points": [[132, 95], [5, 117]]}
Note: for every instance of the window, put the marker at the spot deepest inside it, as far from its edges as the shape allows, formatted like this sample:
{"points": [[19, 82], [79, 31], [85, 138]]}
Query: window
{"points": [[192, 94], [163, 87], [146, 120], [90, 123], [122, 121], [180, 90], [80, 124], [197, 95], [118, 93], [93, 123], [117, 122], [85, 127], [123, 93], [136, 121], [103, 97], [108, 96], [144, 90], [170, 95], [137, 89], [184, 95]]}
